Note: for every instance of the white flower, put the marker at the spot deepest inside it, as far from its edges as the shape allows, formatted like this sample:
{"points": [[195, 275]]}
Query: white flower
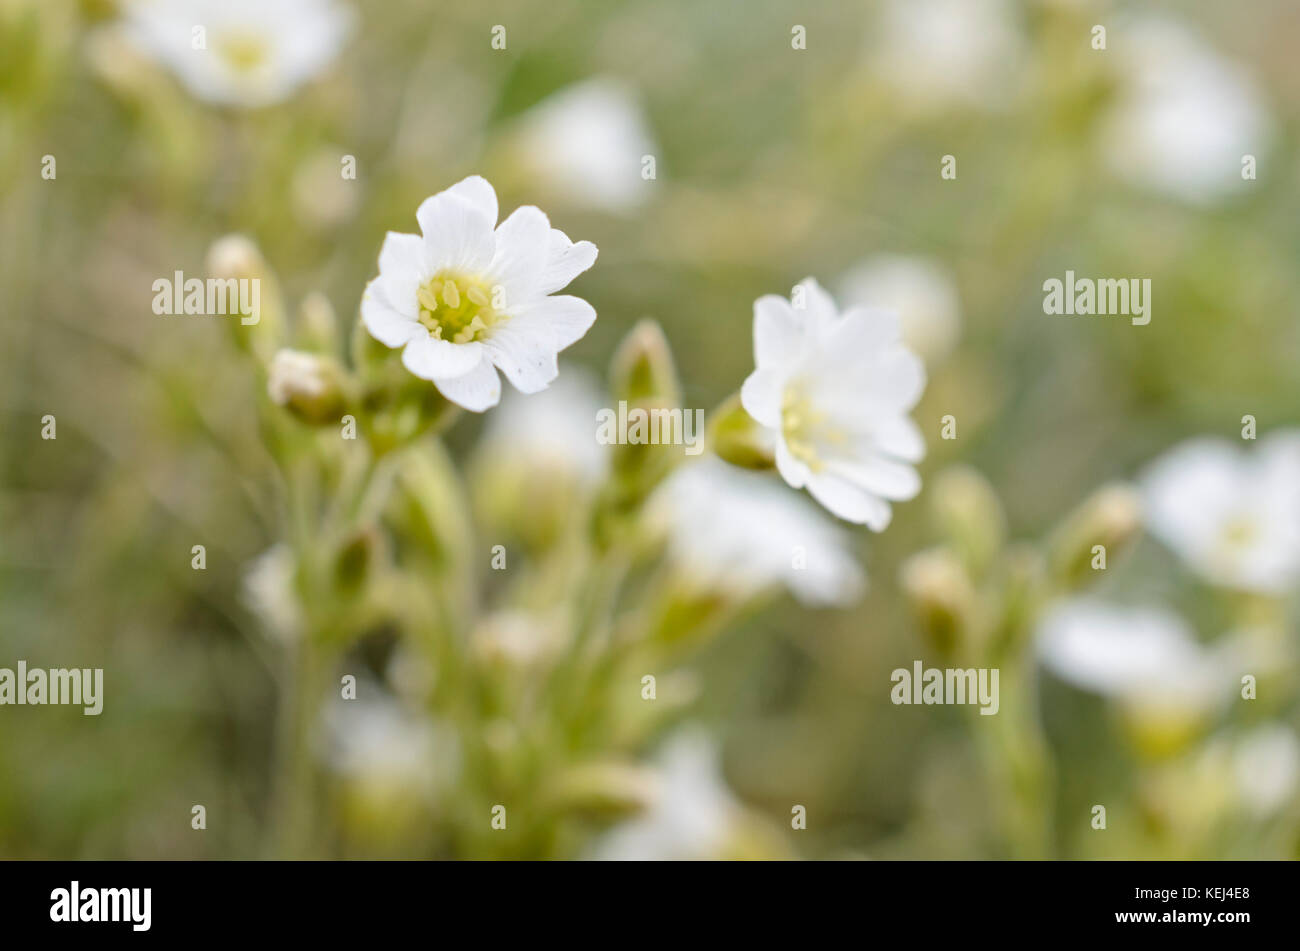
{"points": [[835, 391], [692, 817], [553, 431], [1145, 655], [937, 53], [1266, 765], [374, 742], [465, 299], [588, 142], [1233, 515], [919, 290], [268, 591], [1185, 115], [252, 52], [741, 533]]}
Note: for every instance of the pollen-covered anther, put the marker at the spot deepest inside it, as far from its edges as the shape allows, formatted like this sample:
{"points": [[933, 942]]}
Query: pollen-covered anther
{"points": [[456, 308]]}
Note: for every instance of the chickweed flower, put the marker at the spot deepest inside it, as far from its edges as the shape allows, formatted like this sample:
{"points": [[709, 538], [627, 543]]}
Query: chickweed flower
{"points": [[240, 52], [740, 533], [467, 296], [835, 389], [1232, 515]]}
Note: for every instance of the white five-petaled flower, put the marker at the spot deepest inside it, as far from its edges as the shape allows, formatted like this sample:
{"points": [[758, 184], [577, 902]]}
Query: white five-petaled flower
{"points": [[468, 296], [741, 533], [240, 52], [1233, 516], [835, 390]]}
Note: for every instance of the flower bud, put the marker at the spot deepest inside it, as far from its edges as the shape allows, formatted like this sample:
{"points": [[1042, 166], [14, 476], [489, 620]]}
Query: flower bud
{"points": [[942, 596], [642, 369], [737, 438], [317, 328], [968, 512], [604, 789], [1110, 518], [308, 385]]}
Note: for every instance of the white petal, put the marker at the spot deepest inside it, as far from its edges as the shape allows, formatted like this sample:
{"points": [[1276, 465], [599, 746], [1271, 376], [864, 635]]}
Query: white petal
{"points": [[863, 330], [777, 334], [566, 318], [882, 477], [432, 359], [819, 305], [761, 396], [402, 269], [523, 246], [565, 261], [849, 502], [477, 390], [386, 324], [900, 437], [478, 192], [457, 234], [527, 359], [794, 471]]}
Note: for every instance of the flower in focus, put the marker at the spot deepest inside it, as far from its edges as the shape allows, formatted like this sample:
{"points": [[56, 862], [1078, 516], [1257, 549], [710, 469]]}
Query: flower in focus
{"points": [[692, 817], [1233, 516], [941, 52], [835, 390], [587, 143], [253, 52], [468, 297], [1185, 117], [919, 290], [738, 532]]}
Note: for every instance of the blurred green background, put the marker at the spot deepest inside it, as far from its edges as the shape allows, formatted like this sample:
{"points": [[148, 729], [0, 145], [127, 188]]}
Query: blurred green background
{"points": [[772, 164]]}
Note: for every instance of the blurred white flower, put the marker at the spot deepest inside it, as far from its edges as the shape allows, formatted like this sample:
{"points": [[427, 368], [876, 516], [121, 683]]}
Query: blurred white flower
{"points": [[1232, 514], [252, 52], [835, 390], [1185, 115], [692, 817], [553, 430], [919, 290], [935, 53], [1266, 766], [1143, 655], [465, 299], [376, 744], [740, 532], [587, 142], [268, 591]]}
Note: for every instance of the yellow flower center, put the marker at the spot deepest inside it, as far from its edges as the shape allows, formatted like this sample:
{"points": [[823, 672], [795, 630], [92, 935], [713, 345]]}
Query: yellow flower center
{"points": [[1240, 532], [457, 308], [806, 428], [243, 52]]}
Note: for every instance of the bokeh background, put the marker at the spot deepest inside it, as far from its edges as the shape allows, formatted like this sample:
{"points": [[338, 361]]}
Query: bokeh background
{"points": [[772, 164]]}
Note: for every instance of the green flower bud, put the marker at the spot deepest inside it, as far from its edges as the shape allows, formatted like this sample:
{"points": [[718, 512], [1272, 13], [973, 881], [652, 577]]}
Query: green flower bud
{"points": [[310, 386], [942, 596], [737, 438], [1094, 535], [967, 511]]}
